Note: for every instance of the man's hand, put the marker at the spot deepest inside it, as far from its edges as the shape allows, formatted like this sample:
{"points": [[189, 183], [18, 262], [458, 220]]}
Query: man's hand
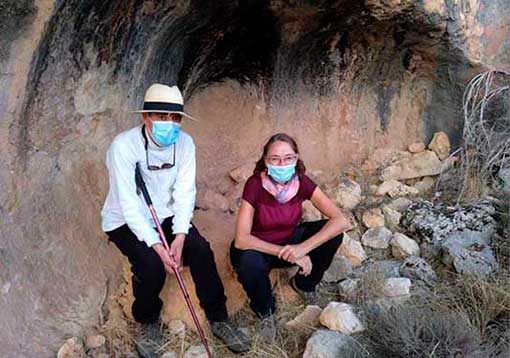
{"points": [[167, 260], [176, 249], [305, 265], [292, 253]]}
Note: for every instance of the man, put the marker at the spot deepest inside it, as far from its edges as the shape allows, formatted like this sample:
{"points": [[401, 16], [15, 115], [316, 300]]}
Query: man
{"points": [[167, 159]]}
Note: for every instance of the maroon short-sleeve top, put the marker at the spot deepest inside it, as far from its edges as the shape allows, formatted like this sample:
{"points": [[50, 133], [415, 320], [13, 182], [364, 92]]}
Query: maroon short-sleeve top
{"points": [[274, 222]]}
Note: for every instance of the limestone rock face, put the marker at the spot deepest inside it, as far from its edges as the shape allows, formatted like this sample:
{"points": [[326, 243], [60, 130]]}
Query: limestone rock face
{"points": [[341, 317], [242, 173], [209, 199], [440, 144], [72, 348], [416, 147], [58, 117]]}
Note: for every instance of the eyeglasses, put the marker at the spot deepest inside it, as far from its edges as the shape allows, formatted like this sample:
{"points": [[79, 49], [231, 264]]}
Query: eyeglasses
{"points": [[156, 167], [287, 160]]}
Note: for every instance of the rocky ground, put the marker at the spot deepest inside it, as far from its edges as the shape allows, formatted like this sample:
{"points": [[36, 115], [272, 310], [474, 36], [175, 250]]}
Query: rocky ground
{"points": [[419, 276]]}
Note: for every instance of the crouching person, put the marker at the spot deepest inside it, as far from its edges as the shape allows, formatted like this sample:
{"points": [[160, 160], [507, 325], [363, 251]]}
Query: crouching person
{"points": [[269, 233]]}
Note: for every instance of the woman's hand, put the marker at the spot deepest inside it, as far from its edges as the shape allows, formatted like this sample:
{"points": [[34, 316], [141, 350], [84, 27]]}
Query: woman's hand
{"points": [[305, 265], [292, 253]]}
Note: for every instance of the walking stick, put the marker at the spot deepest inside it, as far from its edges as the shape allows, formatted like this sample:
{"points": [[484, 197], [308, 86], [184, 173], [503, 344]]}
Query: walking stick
{"points": [[141, 186]]}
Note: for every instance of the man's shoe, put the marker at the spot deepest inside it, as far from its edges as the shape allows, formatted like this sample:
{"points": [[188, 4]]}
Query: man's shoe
{"points": [[149, 339], [266, 328], [310, 297], [233, 338]]}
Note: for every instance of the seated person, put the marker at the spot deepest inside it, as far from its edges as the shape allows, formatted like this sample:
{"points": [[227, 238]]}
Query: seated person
{"points": [[269, 233]]}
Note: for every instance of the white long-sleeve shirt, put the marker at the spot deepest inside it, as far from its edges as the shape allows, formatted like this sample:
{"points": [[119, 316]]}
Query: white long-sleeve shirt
{"points": [[172, 190]]}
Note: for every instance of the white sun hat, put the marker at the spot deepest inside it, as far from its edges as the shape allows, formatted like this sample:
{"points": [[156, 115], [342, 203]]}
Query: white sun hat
{"points": [[163, 99]]}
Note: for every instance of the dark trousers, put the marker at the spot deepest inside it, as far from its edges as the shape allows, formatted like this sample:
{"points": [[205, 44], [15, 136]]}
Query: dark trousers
{"points": [[253, 267], [149, 273]]}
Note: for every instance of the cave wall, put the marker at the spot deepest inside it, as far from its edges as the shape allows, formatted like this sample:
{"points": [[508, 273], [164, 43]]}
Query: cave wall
{"points": [[344, 77]]}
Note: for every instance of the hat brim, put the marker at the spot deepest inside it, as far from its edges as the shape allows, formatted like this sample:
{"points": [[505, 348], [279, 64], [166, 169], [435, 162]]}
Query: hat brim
{"points": [[162, 111]]}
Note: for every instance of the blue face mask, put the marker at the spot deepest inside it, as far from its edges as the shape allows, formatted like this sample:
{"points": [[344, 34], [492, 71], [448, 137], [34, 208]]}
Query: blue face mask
{"points": [[283, 173], [165, 133]]}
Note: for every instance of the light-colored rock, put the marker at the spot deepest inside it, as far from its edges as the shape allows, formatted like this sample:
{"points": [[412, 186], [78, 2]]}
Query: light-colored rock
{"points": [[340, 316], [72, 348], [403, 246], [169, 355], [425, 185], [391, 217], [242, 173], [440, 144], [400, 204], [384, 268], [397, 287], [402, 190], [330, 344], [347, 194], [416, 147], [388, 186], [373, 218], [352, 250], [308, 318], [176, 327], [339, 269], [419, 165], [416, 268], [377, 238], [209, 199], [469, 253], [310, 212], [348, 286], [95, 341], [196, 352]]}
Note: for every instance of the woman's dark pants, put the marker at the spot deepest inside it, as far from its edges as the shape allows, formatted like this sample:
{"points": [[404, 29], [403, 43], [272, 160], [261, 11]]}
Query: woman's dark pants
{"points": [[253, 267]]}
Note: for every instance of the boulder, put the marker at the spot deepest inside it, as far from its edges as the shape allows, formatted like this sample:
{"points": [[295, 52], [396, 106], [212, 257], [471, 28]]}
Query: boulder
{"points": [[440, 144], [373, 218], [340, 316], [400, 204], [403, 246], [469, 253], [425, 185], [339, 269], [377, 238], [384, 268], [352, 250], [309, 318], [347, 287], [397, 287], [418, 165], [330, 344], [416, 268], [416, 147], [347, 194], [391, 217], [394, 188]]}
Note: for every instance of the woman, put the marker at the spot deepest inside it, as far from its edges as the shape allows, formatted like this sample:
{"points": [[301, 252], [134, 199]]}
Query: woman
{"points": [[268, 232]]}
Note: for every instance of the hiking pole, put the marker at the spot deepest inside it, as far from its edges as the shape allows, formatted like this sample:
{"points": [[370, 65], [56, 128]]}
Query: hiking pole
{"points": [[141, 186]]}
